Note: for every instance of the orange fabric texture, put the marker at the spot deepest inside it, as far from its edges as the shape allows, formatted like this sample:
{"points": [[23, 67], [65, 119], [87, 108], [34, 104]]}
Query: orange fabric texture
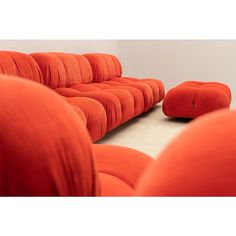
{"points": [[145, 89], [94, 113], [201, 161], [125, 97], [63, 69], [59, 68], [104, 66], [119, 169], [73, 75], [155, 84], [54, 74], [107, 68], [136, 94], [45, 149], [20, 65], [80, 113], [110, 103], [193, 98]]}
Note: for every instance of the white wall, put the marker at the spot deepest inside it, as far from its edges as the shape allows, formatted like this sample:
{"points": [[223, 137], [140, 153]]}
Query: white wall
{"points": [[76, 46], [174, 61]]}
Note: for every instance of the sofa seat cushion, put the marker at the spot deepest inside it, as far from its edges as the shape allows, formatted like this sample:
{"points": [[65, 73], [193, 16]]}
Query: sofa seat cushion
{"points": [[136, 94], [144, 88], [95, 114], [157, 86], [119, 169], [110, 102]]}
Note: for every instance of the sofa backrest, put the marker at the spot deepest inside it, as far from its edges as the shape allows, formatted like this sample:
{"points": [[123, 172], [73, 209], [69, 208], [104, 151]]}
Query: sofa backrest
{"points": [[20, 65], [104, 66], [63, 69]]}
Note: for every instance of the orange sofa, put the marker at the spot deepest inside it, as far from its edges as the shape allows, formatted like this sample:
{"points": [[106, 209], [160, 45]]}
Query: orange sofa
{"points": [[73, 75], [90, 110], [101, 106], [46, 149]]}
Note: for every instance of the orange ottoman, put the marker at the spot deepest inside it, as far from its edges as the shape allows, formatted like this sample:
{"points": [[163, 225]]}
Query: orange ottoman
{"points": [[193, 98]]}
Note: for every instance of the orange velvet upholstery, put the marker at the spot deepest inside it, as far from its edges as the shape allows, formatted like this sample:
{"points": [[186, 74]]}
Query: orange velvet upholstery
{"points": [[23, 65], [73, 75], [136, 93], [80, 113], [45, 149], [62, 70], [119, 169], [110, 103], [156, 85], [144, 88], [107, 68], [20, 65], [104, 66], [94, 113], [201, 161], [193, 98]]}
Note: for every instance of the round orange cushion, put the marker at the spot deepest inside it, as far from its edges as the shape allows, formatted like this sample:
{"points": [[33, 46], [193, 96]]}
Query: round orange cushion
{"points": [[193, 98], [45, 149], [201, 161]]}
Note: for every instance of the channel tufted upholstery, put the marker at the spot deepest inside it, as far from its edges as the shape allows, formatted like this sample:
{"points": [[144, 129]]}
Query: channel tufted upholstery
{"points": [[194, 98], [91, 83], [107, 69], [119, 104], [61, 70], [20, 65], [24, 66], [45, 149], [104, 66]]}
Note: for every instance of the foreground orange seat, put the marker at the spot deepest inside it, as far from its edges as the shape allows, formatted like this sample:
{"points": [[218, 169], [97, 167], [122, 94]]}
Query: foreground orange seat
{"points": [[201, 161], [194, 98], [24, 66], [45, 149]]}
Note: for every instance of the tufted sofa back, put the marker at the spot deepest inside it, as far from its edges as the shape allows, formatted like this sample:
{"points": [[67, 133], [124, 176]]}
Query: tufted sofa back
{"points": [[104, 66], [20, 65], [63, 69]]}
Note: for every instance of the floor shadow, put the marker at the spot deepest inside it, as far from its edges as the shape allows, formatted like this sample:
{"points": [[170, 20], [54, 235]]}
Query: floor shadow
{"points": [[178, 120], [119, 129], [129, 123], [148, 113]]}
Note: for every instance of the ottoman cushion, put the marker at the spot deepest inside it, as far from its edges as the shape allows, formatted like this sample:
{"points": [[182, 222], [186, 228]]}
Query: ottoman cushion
{"points": [[193, 98]]}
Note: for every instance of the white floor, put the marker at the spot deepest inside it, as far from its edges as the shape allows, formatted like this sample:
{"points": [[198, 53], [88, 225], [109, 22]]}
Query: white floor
{"points": [[149, 133]]}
